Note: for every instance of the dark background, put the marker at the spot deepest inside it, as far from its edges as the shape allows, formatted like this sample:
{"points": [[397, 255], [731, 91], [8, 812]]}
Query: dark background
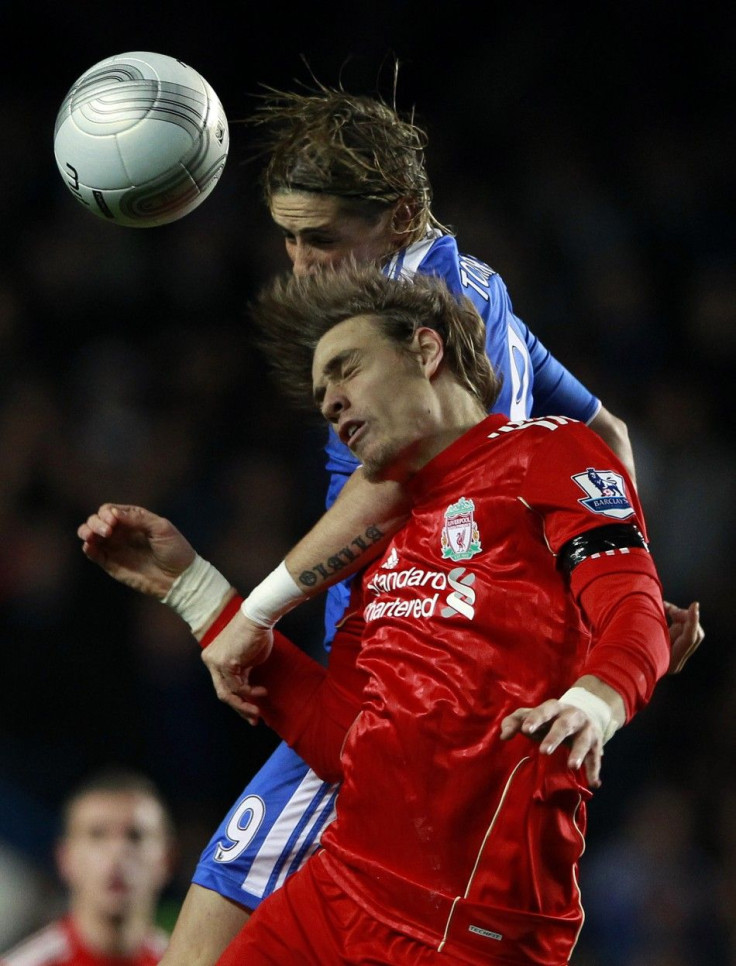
{"points": [[586, 151]]}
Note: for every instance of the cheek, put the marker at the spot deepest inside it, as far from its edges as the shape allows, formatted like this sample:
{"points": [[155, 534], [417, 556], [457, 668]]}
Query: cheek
{"points": [[81, 867], [364, 247], [375, 249], [331, 259]]}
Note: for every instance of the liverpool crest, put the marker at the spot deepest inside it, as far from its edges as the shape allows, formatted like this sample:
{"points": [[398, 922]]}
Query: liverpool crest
{"points": [[460, 536]]}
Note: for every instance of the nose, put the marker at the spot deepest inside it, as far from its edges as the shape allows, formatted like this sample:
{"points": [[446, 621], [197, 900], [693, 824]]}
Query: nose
{"points": [[302, 259], [333, 404]]}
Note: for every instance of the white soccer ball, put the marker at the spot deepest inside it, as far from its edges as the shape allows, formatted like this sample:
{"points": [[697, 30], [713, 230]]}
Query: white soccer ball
{"points": [[141, 139]]}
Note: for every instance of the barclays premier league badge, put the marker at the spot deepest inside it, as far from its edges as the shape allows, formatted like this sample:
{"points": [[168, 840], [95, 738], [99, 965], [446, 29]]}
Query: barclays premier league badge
{"points": [[460, 537], [606, 493]]}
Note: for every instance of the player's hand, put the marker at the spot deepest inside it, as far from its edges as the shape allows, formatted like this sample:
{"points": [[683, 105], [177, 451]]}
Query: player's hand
{"points": [[552, 723], [686, 633], [136, 547], [238, 647]]}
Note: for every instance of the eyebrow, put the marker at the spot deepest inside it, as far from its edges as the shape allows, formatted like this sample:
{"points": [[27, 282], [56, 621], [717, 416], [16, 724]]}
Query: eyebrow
{"points": [[330, 368], [307, 230]]}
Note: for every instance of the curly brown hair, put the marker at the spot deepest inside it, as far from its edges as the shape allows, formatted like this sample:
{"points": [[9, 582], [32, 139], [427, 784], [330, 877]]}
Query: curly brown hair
{"points": [[355, 147], [292, 313]]}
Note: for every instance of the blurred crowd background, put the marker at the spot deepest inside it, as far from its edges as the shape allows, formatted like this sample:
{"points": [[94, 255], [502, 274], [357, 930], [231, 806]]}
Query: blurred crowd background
{"points": [[587, 153]]}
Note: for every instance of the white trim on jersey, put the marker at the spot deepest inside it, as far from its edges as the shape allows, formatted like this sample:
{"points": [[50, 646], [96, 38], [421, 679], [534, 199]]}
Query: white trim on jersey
{"points": [[48, 946], [292, 850], [407, 260]]}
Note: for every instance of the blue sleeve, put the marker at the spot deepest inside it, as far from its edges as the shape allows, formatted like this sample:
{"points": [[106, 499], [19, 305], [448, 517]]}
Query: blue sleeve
{"points": [[533, 382], [556, 391], [340, 462]]}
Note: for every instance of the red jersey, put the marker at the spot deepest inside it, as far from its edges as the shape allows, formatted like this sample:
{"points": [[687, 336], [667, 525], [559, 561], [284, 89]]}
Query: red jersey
{"points": [[443, 831], [59, 944]]}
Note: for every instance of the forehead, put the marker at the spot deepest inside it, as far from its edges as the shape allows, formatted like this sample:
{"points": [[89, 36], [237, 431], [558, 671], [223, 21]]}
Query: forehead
{"points": [[305, 209], [115, 810], [357, 333]]}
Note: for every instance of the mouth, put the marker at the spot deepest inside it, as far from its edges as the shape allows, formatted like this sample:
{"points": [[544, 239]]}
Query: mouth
{"points": [[118, 885], [350, 432]]}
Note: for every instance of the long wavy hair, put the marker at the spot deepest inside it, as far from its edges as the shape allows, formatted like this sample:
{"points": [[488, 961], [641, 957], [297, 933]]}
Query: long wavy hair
{"points": [[291, 314], [355, 147]]}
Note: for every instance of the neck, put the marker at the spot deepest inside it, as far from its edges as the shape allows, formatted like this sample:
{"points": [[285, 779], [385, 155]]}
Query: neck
{"points": [[444, 438], [112, 934], [457, 412]]}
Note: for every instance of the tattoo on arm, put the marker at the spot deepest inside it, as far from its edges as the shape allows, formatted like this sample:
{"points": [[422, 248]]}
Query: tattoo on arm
{"points": [[338, 561]]}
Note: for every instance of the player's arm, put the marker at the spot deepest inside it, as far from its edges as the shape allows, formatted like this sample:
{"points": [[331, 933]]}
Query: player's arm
{"points": [[308, 706], [601, 550], [614, 432], [620, 598], [349, 535], [685, 630], [147, 552], [558, 392]]}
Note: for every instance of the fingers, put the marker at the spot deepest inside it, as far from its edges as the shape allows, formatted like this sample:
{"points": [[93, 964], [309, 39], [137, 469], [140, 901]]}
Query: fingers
{"points": [[512, 723], [530, 721], [99, 527], [110, 515], [553, 724], [686, 633], [232, 688], [99, 524], [244, 703]]}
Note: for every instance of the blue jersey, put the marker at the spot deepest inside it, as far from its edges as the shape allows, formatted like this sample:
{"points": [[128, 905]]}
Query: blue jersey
{"points": [[533, 382]]}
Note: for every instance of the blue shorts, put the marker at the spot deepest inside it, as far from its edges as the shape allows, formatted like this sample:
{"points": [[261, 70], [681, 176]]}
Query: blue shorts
{"points": [[271, 830]]}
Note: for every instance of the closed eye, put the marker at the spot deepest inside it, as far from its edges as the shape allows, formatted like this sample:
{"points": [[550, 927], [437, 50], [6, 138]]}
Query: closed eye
{"points": [[313, 239], [339, 369], [319, 241]]}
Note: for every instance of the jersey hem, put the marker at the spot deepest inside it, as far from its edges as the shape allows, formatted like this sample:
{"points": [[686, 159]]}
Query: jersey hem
{"points": [[226, 887]]}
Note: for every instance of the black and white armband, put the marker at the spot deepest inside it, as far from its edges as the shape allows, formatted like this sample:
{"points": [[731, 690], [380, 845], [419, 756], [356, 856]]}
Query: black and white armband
{"points": [[601, 541]]}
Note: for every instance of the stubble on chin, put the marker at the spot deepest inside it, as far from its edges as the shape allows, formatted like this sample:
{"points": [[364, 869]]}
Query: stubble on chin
{"points": [[372, 473], [378, 464]]}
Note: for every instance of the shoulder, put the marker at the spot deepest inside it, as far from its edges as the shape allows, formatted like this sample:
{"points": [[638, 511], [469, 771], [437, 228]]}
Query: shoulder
{"points": [[562, 439], [51, 946], [439, 255], [156, 943], [550, 446], [541, 428]]}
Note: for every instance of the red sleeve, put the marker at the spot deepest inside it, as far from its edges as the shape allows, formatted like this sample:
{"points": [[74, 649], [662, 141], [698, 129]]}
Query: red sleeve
{"points": [[575, 483], [310, 707], [621, 599]]}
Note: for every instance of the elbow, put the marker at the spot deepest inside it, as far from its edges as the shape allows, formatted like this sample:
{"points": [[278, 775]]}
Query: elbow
{"points": [[615, 434], [612, 429]]}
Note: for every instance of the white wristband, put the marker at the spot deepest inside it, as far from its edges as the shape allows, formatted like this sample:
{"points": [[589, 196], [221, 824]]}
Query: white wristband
{"points": [[273, 597], [197, 593], [595, 707]]}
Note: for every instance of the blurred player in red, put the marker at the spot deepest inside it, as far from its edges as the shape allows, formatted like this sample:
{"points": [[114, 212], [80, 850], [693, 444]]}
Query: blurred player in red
{"points": [[519, 599], [114, 856]]}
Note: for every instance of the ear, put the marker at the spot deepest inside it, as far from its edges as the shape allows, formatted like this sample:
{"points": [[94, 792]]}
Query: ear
{"points": [[431, 350], [402, 219], [63, 861]]}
